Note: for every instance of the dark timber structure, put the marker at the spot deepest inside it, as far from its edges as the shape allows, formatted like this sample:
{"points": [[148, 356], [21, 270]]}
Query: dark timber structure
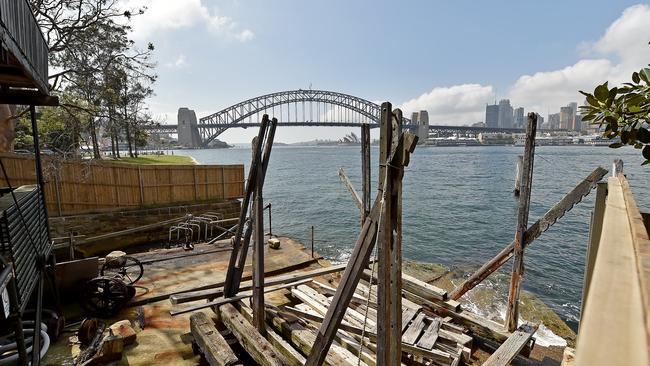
{"points": [[26, 250]]}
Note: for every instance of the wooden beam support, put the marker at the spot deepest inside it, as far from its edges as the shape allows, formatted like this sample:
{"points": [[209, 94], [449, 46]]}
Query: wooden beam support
{"points": [[365, 170], [213, 346], [355, 196], [511, 347], [273, 281], [230, 288], [258, 253], [227, 300], [512, 314], [389, 279], [533, 232], [252, 341], [241, 261]]}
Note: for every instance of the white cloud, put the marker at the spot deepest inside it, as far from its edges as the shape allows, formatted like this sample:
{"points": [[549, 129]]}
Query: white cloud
{"points": [[179, 63], [169, 15], [621, 50], [459, 104]]}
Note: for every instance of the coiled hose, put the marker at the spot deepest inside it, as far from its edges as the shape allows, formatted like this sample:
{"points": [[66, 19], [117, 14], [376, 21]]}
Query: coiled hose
{"points": [[9, 351]]}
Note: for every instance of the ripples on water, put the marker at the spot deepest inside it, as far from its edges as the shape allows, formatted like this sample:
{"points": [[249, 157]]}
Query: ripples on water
{"points": [[458, 207]]}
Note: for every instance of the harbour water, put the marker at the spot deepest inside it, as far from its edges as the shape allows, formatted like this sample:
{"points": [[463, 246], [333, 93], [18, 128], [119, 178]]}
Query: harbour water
{"points": [[458, 206]]}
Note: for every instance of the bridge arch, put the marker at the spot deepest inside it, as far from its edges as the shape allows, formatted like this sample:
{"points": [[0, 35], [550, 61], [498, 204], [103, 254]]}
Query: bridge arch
{"points": [[338, 109]]}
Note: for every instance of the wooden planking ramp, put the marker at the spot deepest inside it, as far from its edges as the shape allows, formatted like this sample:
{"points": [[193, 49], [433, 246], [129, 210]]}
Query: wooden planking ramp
{"points": [[213, 346], [249, 338], [512, 346]]}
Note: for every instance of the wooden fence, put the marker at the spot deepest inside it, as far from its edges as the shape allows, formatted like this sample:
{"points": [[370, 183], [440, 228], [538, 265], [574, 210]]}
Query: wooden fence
{"points": [[77, 187]]}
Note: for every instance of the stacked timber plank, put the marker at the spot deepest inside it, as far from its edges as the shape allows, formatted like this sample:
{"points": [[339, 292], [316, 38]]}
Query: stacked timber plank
{"points": [[426, 338]]}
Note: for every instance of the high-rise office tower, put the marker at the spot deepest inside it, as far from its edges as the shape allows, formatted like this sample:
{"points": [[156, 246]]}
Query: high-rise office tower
{"points": [[492, 115], [505, 114]]}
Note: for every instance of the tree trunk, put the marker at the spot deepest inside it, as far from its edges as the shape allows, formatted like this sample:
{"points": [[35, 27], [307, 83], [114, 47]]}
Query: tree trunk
{"points": [[7, 125], [93, 137], [129, 139]]}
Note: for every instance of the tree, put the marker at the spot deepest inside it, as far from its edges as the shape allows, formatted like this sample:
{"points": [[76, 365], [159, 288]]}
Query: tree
{"points": [[624, 111], [88, 41]]}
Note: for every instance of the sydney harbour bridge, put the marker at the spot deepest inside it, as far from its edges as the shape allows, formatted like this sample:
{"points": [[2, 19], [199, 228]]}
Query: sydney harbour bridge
{"points": [[293, 108]]}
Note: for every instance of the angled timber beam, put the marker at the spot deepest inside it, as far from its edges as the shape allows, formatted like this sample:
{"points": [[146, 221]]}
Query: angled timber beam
{"points": [[355, 196], [533, 232]]}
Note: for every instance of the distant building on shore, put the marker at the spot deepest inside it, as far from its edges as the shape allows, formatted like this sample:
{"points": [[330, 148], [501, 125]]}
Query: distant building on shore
{"points": [[506, 118], [520, 118], [492, 115]]}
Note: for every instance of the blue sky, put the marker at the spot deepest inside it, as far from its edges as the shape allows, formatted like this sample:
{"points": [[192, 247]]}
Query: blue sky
{"points": [[449, 57]]}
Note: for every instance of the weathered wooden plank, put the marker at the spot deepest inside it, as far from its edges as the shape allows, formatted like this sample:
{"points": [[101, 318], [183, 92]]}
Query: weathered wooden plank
{"points": [[422, 288], [214, 347], [257, 220], [304, 338], [226, 300], [430, 336], [365, 170], [412, 333], [249, 338], [511, 347], [355, 196], [407, 316], [291, 354], [433, 354], [533, 232], [263, 165], [614, 324], [512, 311], [230, 288], [334, 316], [272, 281]]}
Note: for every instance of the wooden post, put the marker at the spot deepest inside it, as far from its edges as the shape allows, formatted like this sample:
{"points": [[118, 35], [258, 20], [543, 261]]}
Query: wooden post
{"points": [[518, 175], [512, 315], [595, 230], [365, 170], [534, 231], [389, 307], [229, 287], [617, 167], [258, 252], [358, 260], [243, 250]]}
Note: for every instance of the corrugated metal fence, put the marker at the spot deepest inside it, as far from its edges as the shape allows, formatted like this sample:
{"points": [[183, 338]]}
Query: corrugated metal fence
{"points": [[77, 187]]}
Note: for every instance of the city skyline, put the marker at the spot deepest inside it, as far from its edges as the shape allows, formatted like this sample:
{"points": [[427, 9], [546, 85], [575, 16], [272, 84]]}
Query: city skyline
{"points": [[539, 68]]}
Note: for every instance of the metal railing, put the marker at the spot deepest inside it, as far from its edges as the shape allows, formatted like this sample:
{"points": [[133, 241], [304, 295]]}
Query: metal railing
{"points": [[29, 46]]}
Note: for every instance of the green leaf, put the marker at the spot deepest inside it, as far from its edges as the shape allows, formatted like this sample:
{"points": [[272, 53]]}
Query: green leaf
{"points": [[646, 152], [593, 101], [645, 75], [645, 162], [616, 145], [601, 92], [635, 77], [634, 109]]}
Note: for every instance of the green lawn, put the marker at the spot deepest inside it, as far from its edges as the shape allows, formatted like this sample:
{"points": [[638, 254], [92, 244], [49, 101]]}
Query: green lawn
{"points": [[156, 160]]}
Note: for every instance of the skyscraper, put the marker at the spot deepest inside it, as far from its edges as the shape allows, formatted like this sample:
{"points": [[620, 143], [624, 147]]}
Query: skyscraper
{"points": [[492, 115], [554, 121], [540, 121], [505, 114], [566, 118], [520, 119]]}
